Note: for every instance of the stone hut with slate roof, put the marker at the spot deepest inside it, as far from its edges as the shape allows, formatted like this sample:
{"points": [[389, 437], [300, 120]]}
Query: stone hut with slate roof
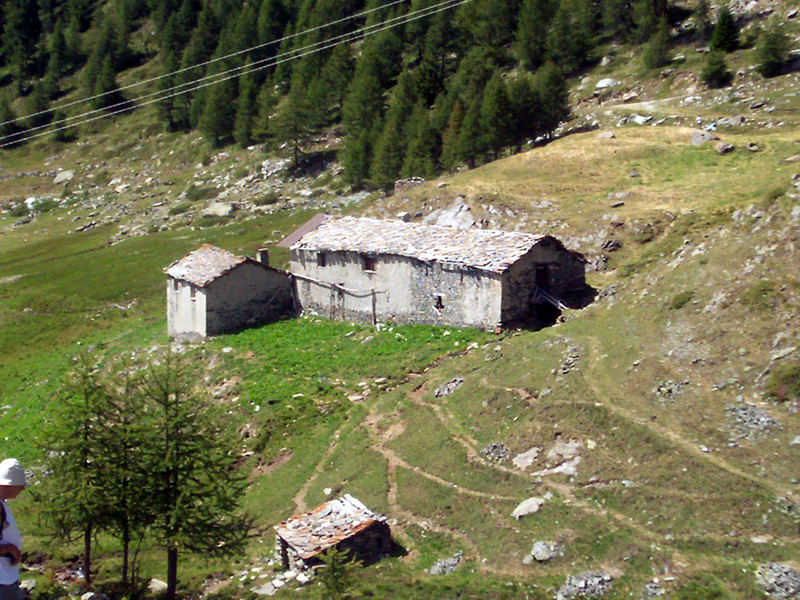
{"points": [[344, 523], [211, 291], [375, 270]]}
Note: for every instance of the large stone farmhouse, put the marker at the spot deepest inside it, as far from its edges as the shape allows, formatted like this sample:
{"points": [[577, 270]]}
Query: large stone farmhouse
{"points": [[211, 291], [375, 270]]}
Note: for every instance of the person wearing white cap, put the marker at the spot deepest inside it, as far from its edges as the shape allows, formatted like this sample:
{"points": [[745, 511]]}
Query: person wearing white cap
{"points": [[12, 482]]}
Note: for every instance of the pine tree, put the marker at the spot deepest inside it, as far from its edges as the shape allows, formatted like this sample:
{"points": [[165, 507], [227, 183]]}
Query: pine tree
{"points": [[495, 118], [451, 136], [715, 73], [726, 32], [265, 107], [470, 137], [216, 119], [525, 110], [645, 21], [570, 39], [551, 89], [388, 159], [195, 489], [245, 110], [21, 31], [772, 51], [422, 145], [104, 91], [291, 124], [337, 75], [617, 18], [702, 18], [531, 36], [8, 126], [656, 52]]}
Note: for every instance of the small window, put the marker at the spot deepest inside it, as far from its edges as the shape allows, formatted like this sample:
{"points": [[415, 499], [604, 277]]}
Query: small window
{"points": [[193, 293], [322, 259], [368, 263], [438, 302], [175, 284]]}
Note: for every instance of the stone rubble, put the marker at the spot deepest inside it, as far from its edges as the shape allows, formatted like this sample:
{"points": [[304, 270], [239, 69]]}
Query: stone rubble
{"points": [[542, 552], [449, 387], [779, 580], [668, 390], [496, 451], [748, 420], [447, 565], [653, 590], [590, 584]]}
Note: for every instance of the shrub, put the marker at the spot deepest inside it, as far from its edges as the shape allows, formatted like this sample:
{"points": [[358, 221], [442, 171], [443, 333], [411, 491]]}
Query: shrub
{"points": [[180, 208], [771, 53], [656, 52], [762, 296], [209, 221], [18, 210], [783, 383], [195, 193], [267, 199], [680, 300], [715, 73]]}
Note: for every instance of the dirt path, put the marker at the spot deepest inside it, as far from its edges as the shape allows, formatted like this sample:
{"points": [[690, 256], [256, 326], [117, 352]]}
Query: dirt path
{"points": [[300, 497], [659, 430]]}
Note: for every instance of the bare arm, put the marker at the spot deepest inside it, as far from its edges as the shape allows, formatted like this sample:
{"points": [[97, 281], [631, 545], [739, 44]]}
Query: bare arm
{"points": [[10, 550]]}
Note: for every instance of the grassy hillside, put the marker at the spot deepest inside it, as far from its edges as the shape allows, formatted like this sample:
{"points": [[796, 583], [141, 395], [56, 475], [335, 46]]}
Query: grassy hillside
{"points": [[656, 440]]}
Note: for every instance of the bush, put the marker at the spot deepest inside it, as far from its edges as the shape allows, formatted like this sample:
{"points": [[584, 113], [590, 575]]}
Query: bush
{"points": [[179, 209], [211, 221], [772, 51], [195, 193], [783, 383], [18, 210], [715, 73], [656, 52], [680, 300], [762, 296], [267, 199]]}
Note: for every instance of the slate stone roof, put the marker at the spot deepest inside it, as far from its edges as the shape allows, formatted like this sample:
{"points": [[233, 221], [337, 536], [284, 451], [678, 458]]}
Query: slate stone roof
{"points": [[484, 249], [314, 532], [204, 265]]}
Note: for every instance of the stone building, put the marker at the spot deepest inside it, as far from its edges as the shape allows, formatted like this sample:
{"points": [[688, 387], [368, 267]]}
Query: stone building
{"points": [[211, 291], [375, 270], [344, 523]]}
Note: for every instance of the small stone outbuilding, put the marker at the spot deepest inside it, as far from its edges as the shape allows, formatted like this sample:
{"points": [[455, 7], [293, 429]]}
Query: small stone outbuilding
{"points": [[212, 291], [375, 270], [344, 523]]}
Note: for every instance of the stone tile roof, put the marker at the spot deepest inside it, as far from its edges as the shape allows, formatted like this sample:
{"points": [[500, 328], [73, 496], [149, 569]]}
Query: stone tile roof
{"points": [[204, 265], [314, 532], [487, 250]]}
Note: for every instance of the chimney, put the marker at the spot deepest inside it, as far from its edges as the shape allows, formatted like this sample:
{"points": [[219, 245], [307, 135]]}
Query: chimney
{"points": [[262, 256]]}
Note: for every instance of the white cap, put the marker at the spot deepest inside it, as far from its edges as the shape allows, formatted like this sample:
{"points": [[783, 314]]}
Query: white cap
{"points": [[12, 473]]}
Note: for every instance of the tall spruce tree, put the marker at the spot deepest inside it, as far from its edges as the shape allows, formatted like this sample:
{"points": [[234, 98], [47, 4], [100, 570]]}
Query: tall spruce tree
{"points": [[291, 124], [246, 108], [496, 121], [471, 146], [451, 136], [422, 145], [218, 113], [570, 39], [772, 51], [530, 44], [656, 52], [525, 110], [725, 36], [551, 88]]}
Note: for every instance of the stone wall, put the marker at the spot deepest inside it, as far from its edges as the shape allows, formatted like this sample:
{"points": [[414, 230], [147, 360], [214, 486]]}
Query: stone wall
{"points": [[366, 546], [247, 295], [345, 285], [186, 310]]}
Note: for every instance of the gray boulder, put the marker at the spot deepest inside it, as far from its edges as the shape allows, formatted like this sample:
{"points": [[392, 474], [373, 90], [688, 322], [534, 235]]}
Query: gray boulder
{"points": [[701, 137]]}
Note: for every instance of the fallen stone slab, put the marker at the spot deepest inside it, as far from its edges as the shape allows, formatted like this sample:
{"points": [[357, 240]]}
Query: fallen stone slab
{"points": [[701, 137], [724, 148], [63, 177], [526, 459], [528, 507]]}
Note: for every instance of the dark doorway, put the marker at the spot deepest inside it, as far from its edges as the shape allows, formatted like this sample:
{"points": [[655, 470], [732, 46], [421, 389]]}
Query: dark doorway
{"points": [[542, 279]]}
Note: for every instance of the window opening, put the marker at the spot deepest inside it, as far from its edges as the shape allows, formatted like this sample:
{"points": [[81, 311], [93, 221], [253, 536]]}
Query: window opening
{"points": [[322, 259], [193, 293], [368, 263], [438, 303]]}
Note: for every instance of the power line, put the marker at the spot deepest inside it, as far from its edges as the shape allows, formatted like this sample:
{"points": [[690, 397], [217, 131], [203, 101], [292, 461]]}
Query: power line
{"points": [[292, 55], [208, 62], [126, 104]]}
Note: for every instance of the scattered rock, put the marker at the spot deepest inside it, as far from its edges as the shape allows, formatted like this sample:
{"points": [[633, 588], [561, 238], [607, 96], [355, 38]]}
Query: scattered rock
{"points": [[795, 441], [570, 360], [701, 137], [591, 584], [617, 204], [265, 590], [653, 590], [749, 419], [629, 96], [642, 119], [63, 177], [607, 59], [752, 147], [606, 83], [795, 158], [778, 580], [724, 148], [791, 14], [404, 217], [219, 209], [544, 551], [563, 451], [449, 387], [496, 451], [526, 459], [446, 566], [402, 185], [458, 215], [606, 135], [156, 586], [27, 585], [528, 507], [668, 390]]}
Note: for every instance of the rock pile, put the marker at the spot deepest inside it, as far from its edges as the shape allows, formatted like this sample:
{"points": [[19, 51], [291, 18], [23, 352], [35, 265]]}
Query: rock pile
{"points": [[653, 590], [570, 360], [447, 565], [668, 390], [496, 451], [449, 387], [748, 420], [779, 581], [591, 584]]}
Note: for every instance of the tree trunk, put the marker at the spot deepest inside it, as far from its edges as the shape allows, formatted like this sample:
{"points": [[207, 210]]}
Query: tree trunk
{"points": [[172, 572], [126, 544], [87, 555]]}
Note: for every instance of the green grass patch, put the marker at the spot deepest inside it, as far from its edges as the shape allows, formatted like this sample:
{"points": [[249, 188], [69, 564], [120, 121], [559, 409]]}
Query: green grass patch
{"points": [[761, 296], [783, 383]]}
